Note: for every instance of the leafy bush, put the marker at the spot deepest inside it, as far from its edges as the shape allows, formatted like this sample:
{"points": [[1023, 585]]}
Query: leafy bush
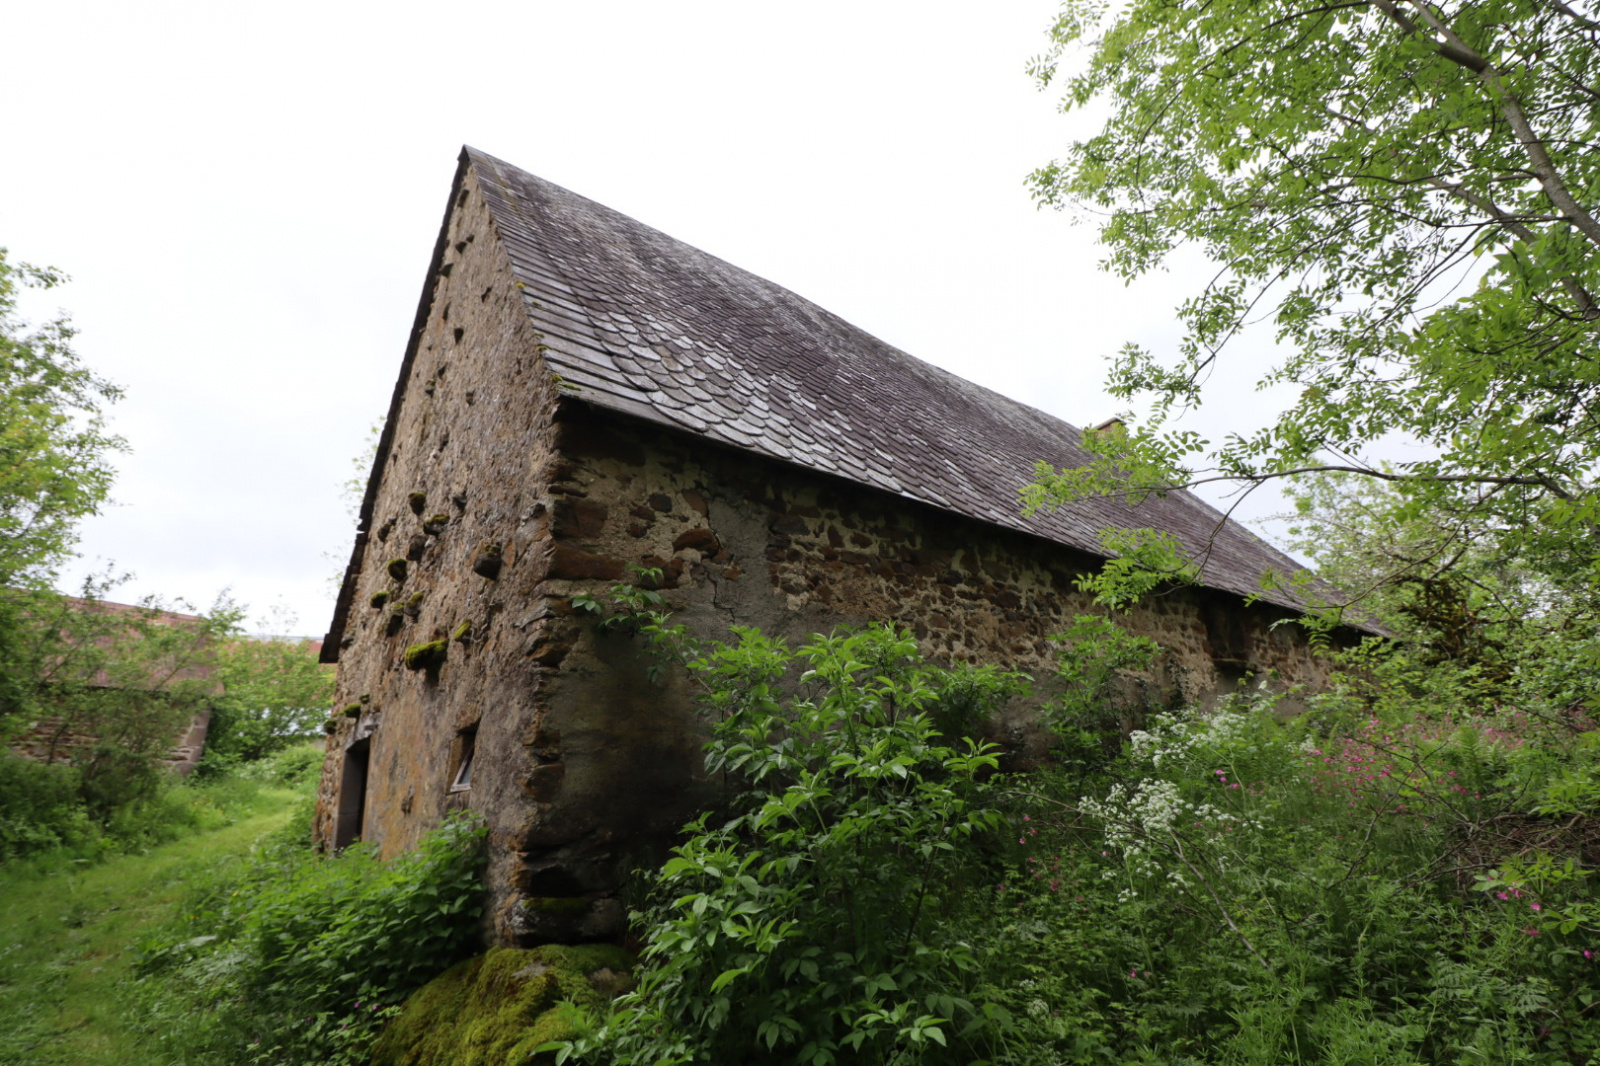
{"points": [[1250, 891], [811, 920], [1400, 875], [45, 824], [300, 958], [296, 767], [40, 808]]}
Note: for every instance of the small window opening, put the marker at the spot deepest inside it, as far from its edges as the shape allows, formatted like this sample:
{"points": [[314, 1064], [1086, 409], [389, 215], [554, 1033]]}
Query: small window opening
{"points": [[352, 810], [462, 781]]}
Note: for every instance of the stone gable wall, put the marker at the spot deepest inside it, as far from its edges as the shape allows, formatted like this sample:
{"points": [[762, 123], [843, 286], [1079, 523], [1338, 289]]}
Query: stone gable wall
{"points": [[472, 437]]}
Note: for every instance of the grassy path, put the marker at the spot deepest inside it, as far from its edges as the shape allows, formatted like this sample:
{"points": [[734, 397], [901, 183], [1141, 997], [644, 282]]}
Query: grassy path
{"points": [[66, 942]]}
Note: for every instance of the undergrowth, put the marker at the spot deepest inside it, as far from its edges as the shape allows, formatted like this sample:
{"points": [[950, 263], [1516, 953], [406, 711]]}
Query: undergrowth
{"points": [[45, 827], [292, 957], [1387, 880]]}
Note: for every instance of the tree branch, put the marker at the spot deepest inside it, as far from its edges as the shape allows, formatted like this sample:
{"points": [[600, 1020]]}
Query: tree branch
{"points": [[1384, 475], [1453, 48]]}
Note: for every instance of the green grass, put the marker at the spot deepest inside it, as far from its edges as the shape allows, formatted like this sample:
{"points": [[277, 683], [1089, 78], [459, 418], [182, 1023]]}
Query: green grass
{"points": [[66, 940]]}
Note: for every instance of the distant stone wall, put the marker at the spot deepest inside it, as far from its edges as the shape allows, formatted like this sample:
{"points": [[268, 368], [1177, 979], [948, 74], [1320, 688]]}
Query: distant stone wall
{"points": [[503, 495], [53, 740]]}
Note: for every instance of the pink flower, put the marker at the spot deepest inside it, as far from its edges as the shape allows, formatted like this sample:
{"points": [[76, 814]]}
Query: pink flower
{"points": [[1535, 906]]}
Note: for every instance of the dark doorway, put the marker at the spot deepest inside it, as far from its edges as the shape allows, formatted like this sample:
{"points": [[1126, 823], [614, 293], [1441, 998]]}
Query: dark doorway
{"points": [[352, 795]]}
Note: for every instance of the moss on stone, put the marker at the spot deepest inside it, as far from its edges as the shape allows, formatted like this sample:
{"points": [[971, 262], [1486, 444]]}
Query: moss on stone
{"points": [[417, 500], [486, 562], [397, 569], [463, 632], [379, 598], [434, 524], [352, 710], [427, 656], [413, 605], [497, 1008], [330, 726]]}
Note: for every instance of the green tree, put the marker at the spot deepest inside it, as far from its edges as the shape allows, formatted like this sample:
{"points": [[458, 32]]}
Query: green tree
{"points": [[274, 692], [1406, 190], [54, 447], [54, 466]]}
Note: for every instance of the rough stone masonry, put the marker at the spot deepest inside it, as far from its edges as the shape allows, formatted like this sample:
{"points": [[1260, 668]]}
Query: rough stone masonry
{"points": [[582, 395]]}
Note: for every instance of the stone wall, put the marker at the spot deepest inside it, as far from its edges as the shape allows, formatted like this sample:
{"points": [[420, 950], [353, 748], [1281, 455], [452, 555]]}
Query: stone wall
{"points": [[459, 505], [503, 495]]}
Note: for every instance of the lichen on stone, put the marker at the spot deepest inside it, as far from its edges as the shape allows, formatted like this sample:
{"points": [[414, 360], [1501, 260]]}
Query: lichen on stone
{"points": [[426, 656], [499, 1007]]}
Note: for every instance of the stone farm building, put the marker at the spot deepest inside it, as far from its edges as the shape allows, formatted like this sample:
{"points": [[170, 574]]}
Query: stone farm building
{"points": [[84, 668], [582, 394]]}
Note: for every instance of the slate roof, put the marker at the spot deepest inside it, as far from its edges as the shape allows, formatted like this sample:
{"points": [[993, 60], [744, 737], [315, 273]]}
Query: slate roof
{"points": [[646, 325]]}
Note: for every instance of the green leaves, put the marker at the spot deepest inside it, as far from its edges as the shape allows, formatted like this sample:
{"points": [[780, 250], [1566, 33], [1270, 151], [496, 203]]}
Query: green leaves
{"points": [[54, 447], [1405, 194], [806, 921]]}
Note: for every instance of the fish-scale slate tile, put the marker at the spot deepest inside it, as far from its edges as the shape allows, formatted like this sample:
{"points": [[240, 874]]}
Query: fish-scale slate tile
{"points": [[667, 332]]}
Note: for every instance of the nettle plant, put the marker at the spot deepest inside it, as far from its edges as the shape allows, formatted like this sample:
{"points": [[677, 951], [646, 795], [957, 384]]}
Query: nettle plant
{"points": [[811, 920]]}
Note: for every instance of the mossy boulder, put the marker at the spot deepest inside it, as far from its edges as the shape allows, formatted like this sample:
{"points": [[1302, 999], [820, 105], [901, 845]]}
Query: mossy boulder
{"points": [[497, 1008]]}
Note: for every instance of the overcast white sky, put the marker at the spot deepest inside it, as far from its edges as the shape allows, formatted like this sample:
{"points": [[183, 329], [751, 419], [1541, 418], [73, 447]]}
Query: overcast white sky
{"points": [[247, 197]]}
